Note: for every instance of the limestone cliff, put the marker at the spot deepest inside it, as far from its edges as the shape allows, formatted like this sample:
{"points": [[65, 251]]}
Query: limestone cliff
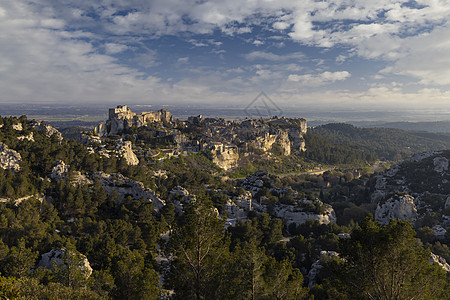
{"points": [[125, 151], [226, 157]]}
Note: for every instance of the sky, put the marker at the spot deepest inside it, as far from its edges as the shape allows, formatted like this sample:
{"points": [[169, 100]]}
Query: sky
{"points": [[309, 54]]}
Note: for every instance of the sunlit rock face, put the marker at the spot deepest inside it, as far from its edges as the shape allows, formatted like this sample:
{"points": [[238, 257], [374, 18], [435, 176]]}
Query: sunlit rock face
{"points": [[9, 159], [121, 118], [397, 207], [440, 261], [47, 129], [59, 170], [125, 151]]}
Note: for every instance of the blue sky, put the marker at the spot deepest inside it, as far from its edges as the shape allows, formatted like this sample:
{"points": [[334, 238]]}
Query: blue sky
{"points": [[362, 55]]}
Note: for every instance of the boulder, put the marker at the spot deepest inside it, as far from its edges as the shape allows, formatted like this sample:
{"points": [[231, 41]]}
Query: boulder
{"points": [[9, 159], [60, 257], [396, 207], [59, 171], [295, 214], [18, 127], [440, 164]]}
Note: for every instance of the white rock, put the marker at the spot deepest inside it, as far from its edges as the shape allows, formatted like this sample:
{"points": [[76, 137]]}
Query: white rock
{"points": [[47, 129], [125, 151], [127, 187], [9, 159], [447, 202], [396, 207], [29, 137], [439, 231], [56, 256], [59, 170], [18, 127], [440, 164], [293, 214], [440, 261]]}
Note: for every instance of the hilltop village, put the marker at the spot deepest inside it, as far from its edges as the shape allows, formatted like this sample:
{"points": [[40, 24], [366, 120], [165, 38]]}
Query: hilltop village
{"points": [[226, 141]]}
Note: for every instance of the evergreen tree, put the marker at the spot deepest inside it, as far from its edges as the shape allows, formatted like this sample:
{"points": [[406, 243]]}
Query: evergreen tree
{"points": [[384, 262], [198, 248]]}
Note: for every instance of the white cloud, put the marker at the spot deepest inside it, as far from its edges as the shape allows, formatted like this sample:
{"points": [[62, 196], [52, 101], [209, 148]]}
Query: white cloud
{"points": [[281, 25], [49, 49], [113, 48], [261, 55], [183, 60], [320, 79]]}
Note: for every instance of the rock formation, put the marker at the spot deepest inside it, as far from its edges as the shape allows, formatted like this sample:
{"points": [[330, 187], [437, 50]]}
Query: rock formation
{"points": [[61, 257], [298, 215], [396, 207], [122, 118], [126, 187], [440, 164], [29, 137], [440, 261], [226, 157], [47, 129], [9, 159], [59, 171], [18, 127], [125, 151]]}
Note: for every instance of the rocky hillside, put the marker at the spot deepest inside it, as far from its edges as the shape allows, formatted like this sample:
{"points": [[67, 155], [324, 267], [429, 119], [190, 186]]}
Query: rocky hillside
{"points": [[417, 190], [158, 134]]}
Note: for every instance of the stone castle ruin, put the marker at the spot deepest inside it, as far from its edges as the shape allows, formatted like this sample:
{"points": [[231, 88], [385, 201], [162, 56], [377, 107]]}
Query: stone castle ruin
{"points": [[122, 118]]}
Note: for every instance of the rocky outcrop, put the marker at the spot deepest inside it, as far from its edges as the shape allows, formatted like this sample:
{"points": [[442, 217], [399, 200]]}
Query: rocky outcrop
{"points": [[47, 129], [317, 266], [124, 149], [397, 207], [440, 261], [122, 118], [226, 157], [299, 214], [59, 171], [126, 187], [234, 213], [62, 257], [440, 164], [421, 156], [17, 127], [20, 200], [29, 137], [439, 232], [9, 159], [77, 178]]}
